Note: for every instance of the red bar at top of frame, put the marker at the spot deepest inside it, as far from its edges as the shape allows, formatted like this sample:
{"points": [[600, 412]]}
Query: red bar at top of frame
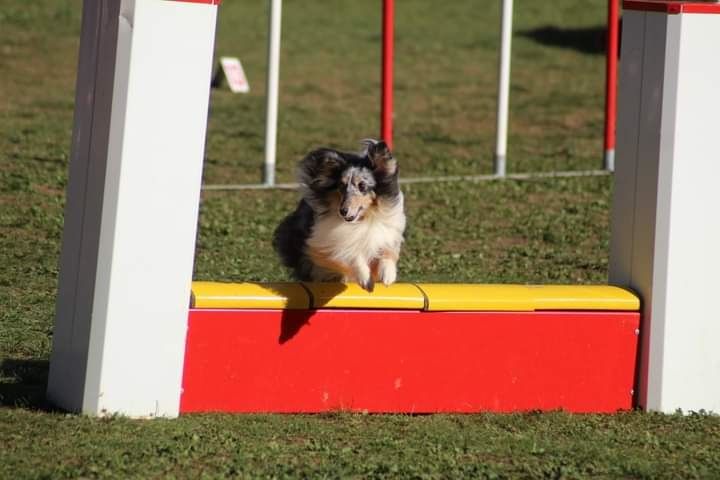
{"points": [[672, 7], [209, 2]]}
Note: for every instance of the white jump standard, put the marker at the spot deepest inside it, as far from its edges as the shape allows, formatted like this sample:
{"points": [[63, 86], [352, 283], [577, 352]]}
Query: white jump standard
{"points": [[665, 225], [132, 204]]}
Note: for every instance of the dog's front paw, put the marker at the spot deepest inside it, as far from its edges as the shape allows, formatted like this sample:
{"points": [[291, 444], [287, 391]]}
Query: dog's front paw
{"points": [[368, 284], [388, 272], [364, 276]]}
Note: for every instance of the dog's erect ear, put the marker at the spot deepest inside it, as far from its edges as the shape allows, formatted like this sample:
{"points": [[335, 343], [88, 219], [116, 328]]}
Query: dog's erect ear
{"points": [[381, 158], [320, 168]]}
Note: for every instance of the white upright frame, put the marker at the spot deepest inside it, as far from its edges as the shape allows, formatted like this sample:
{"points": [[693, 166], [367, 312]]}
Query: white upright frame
{"points": [[665, 226], [132, 205]]}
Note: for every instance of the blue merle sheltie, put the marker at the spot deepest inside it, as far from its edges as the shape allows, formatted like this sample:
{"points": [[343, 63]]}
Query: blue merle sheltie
{"points": [[349, 224]]}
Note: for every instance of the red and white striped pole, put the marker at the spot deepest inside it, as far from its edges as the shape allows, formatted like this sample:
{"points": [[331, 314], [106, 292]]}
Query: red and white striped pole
{"points": [[611, 85], [386, 114]]}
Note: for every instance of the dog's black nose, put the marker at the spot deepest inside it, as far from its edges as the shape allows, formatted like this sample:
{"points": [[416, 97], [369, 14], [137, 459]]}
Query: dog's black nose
{"points": [[343, 211]]}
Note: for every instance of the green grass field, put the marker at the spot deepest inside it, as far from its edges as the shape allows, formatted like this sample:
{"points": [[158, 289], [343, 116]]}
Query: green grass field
{"points": [[551, 231]]}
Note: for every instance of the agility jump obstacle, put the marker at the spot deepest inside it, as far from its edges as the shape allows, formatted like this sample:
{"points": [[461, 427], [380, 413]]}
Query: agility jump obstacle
{"points": [[409, 348], [125, 340]]}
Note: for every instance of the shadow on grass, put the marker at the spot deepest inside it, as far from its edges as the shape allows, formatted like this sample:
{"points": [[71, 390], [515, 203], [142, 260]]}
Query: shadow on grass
{"points": [[23, 383], [590, 40]]}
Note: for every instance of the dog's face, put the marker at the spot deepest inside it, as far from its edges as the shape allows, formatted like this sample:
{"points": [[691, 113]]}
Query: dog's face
{"points": [[348, 183], [357, 193]]}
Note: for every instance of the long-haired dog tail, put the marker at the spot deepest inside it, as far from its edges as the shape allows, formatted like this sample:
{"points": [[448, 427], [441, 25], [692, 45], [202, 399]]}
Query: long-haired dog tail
{"points": [[318, 173], [289, 241]]}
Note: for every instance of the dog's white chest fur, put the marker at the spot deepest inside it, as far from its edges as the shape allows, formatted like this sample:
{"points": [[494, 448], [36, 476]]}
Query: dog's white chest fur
{"points": [[368, 239]]}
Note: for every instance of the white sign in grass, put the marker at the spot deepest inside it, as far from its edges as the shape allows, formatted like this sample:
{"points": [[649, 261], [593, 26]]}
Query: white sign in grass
{"points": [[233, 72]]}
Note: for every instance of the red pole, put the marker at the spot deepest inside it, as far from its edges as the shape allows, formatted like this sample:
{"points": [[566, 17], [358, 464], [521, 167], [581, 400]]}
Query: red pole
{"points": [[386, 114], [611, 85]]}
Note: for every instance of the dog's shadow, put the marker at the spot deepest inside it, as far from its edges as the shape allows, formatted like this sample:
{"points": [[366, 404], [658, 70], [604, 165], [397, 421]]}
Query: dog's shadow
{"points": [[294, 320]]}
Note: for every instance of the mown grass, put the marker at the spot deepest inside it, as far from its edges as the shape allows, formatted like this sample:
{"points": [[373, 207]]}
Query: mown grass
{"points": [[553, 231], [553, 445]]}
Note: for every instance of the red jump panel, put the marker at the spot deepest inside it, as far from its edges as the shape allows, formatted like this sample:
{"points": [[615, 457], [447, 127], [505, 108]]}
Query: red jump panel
{"points": [[408, 361]]}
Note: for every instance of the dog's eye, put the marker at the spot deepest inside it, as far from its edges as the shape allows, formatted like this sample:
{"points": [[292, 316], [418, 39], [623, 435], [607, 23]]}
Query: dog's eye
{"points": [[362, 186]]}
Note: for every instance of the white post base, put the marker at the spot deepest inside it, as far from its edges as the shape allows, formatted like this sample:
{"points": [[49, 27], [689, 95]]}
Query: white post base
{"points": [[609, 160], [132, 203]]}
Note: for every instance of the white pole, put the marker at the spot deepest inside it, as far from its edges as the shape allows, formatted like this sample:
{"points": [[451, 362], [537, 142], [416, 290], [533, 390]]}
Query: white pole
{"points": [[503, 88], [272, 91]]}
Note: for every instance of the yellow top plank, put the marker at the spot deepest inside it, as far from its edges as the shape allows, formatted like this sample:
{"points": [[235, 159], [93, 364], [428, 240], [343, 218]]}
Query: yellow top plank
{"points": [[583, 297], [404, 296], [289, 296], [401, 296], [472, 297]]}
